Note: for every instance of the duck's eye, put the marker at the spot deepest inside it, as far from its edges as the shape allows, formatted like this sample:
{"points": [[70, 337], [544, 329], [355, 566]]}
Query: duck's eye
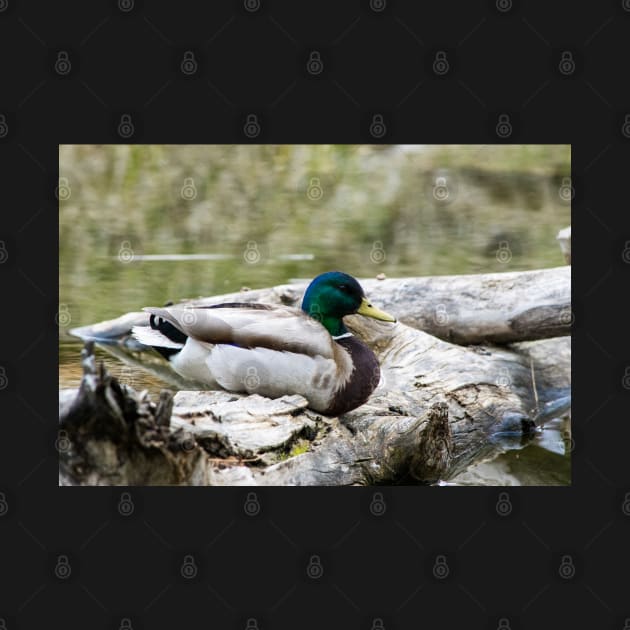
{"points": [[343, 287]]}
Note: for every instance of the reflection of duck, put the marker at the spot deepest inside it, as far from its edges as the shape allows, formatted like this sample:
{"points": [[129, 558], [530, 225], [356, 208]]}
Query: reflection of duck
{"points": [[275, 350]]}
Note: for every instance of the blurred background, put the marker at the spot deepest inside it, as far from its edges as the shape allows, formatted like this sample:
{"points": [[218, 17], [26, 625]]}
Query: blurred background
{"points": [[141, 225], [264, 214]]}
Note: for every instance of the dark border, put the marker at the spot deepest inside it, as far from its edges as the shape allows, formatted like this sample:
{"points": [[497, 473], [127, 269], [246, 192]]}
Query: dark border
{"points": [[377, 58]]}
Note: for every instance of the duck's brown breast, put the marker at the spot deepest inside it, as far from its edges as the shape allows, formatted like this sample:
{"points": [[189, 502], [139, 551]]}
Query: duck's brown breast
{"points": [[363, 379]]}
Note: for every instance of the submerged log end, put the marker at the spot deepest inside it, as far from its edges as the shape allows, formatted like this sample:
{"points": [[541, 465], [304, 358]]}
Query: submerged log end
{"points": [[564, 240], [434, 454]]}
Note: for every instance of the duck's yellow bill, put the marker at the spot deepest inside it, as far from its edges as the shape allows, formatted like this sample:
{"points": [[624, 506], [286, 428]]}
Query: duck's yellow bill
{"points": [[368, 310]]}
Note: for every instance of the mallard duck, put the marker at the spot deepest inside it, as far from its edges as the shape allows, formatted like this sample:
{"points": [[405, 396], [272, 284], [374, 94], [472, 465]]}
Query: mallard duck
{"points": [[274, 350]]}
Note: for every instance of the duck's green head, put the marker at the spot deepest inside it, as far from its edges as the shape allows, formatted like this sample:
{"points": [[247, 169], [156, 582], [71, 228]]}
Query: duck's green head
{"points": [[332, 295]]}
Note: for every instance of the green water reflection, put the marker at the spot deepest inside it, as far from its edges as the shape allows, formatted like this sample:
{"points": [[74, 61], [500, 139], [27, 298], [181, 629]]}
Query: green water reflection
{"points": [[397, 210]]}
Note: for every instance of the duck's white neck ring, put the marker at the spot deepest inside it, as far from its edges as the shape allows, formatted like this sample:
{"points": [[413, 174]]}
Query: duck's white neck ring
{"points": [[346, 334]]}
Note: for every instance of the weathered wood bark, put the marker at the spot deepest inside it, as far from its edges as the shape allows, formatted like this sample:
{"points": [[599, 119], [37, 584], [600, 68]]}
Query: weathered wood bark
{"points": [[116, 436], [469, 309], [437, 408], [488, 393]]}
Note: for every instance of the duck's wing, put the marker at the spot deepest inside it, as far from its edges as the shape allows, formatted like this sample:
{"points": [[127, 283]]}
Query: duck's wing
{"points": [[251, 326]]}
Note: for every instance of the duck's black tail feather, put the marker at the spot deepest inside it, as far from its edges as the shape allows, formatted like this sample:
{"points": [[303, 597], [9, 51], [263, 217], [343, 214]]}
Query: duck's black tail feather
{"points": [[161, 335]]}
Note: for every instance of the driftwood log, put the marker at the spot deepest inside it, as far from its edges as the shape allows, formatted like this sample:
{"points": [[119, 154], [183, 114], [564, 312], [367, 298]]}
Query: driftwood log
{"points": [[468, 309], [439, 405]]}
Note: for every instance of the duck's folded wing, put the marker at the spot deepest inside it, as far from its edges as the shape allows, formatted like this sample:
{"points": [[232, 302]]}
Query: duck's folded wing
{"points": [[278, 328]]}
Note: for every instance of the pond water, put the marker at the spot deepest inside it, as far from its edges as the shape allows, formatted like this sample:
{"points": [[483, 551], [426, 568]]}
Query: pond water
{"points": [[141, 225]]}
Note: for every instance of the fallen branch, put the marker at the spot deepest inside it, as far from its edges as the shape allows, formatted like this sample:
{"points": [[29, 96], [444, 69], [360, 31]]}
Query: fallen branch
{"points": [[470, 309], [439, 406]]}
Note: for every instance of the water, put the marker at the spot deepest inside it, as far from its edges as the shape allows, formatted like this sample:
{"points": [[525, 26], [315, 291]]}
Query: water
{"points": [[141, 225]]}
